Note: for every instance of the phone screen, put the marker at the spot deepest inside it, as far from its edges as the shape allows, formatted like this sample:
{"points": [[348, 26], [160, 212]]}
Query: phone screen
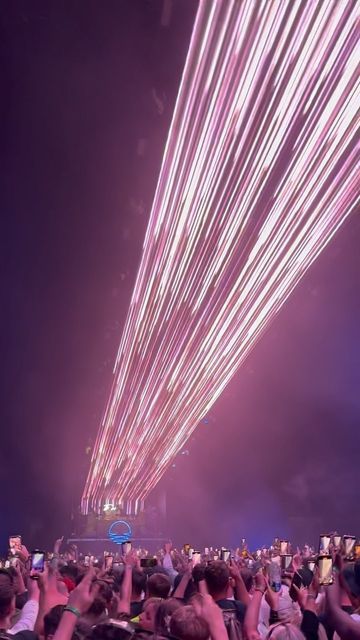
{"points": [[324, 544], [311, 565], [38, 561], [196, 557], [186, 548], [337, 541], [325, 569], [349, 544], [14, 544], [225, 555], [147, 563], [126, 547], [284, 546], [87, 561], [286, 561], [109, 561]]}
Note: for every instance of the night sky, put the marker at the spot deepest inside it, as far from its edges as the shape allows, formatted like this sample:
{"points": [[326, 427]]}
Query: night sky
{"points": [[88, 91]]}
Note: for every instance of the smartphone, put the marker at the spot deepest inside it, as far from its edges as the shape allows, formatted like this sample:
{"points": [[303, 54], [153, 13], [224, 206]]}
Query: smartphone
{"points": [[325, 569], [284, 547], [148, 563], [126, 547], [196, 557], [38, 561], [324, 544], [225, 554], [206, 551], [7, 564], [357, 551], [190, 553], [349, 544], [311, 564], [286, 560], [187, 548], [297, 581], [108, 561], [14, 544], [216, 556], [336, 541], [87, 561]]}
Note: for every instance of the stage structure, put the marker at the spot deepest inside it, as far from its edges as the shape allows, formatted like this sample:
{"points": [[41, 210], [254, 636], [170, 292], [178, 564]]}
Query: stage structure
{"points": [[258, 174]]}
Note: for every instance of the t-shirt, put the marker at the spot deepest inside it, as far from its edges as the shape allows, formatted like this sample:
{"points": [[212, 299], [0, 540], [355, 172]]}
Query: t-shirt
{"points": [[136, 608], [239, 607]]}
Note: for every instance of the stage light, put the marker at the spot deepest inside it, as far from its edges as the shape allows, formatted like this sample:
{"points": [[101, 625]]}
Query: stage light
{"points": [[258, 174]]}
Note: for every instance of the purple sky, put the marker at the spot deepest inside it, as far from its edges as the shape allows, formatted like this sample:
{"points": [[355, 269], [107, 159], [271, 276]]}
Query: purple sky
{"points": [[279, 452]]}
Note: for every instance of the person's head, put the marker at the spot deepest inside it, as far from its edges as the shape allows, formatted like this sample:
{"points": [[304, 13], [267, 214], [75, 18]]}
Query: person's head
{"points": [[198, 572], [285, 631], [138, 583], [163, 615], [217, 576], [186, 624], [7, 599], [248, 579], [52, 620], [112, 630], [158, 586], [148, 614]]}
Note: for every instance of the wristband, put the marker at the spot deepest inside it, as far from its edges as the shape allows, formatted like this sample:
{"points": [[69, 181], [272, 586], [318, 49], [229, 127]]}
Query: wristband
{"points": [[73, 610]]}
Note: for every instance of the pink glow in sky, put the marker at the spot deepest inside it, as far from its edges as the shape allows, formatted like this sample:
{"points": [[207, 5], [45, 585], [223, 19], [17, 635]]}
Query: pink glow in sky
{"points": [[259, 172]]}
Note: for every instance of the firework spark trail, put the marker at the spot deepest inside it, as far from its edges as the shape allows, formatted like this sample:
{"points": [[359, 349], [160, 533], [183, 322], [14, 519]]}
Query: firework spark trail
{"points": [[258, 174]]}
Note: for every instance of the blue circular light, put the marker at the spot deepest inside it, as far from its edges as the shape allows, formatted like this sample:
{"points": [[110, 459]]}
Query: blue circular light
{"points": [[120, 532]]}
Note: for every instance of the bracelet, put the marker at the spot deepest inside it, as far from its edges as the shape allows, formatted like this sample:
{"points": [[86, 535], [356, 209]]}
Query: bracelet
{"points": [[73, 610]]}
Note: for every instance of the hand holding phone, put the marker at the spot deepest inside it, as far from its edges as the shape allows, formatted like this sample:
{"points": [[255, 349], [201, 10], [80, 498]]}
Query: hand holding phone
{"points": [[15, 544], [325, 563], [37, 563], [324, 544]]}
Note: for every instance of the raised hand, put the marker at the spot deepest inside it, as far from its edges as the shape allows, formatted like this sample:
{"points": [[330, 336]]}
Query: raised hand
{"points": [[82, 597], [260, 582], [168, 547]]}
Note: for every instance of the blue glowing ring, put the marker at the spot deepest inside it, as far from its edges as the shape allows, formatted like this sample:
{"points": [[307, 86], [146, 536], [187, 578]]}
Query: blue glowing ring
{"points": [[120, 538]]}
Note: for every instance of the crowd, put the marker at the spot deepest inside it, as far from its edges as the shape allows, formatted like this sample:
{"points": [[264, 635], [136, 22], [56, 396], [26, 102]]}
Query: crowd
{"points": [[186, 595]]}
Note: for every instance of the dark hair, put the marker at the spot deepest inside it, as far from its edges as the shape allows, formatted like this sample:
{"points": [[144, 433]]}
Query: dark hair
{"points": [[186, 624], [217, 576], [98, 607], [70, 571], [52, 620], [7, 594], [4, 573], [108, 631], [198, 572], [163, 614], [138, 581], [190, 587], [248, 578], [158, 586]]}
